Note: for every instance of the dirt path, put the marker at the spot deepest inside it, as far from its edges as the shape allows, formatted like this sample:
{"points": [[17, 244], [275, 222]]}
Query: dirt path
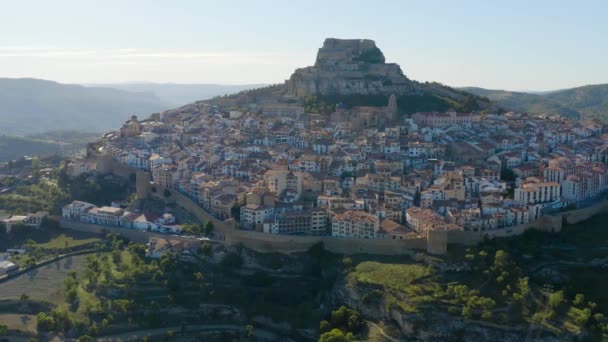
{"points": [[384, 334]]}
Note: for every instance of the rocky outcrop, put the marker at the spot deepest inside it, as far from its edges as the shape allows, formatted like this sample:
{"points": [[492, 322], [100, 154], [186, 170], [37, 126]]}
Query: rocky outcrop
{"points": [[349, 67], [433, 322]]}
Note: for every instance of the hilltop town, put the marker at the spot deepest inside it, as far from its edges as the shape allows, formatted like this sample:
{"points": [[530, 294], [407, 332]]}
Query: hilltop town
{"points": [[264, 159], [348, 203]]}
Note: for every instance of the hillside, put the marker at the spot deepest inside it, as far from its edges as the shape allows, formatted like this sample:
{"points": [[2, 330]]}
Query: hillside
{"points": [[44, 144], [582, 102], [181, 94], [590, 100], [32, 106]]}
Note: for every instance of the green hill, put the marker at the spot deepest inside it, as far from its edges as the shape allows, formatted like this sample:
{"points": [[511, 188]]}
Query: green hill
{"points": [[582, 102], [590, 100], [44, 144]]}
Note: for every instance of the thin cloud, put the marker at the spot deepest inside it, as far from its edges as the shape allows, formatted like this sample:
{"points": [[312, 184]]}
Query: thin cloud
{"points": [[42, 52]]}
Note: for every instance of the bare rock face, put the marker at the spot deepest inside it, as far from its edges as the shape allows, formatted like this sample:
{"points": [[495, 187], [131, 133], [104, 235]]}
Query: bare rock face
{"points": [[349, 67]]}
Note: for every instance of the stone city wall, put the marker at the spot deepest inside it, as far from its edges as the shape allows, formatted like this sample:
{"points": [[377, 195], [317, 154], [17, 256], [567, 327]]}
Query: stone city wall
{"points": [[469, 238], [263, 242], [578, 215], [267, 243]]}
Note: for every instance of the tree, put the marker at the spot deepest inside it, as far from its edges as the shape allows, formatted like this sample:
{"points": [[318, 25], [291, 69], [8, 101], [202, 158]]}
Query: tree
{"points": [[335, 335], [3, 330], [35, 167], [579, 300], [556, 299], [524, 289], [501, 260], [192, 229], [45, 322], [24, 297], [168, 261], [137, 249], [235, 212], [348, 264], [116, 256], [85, 338], [249, 330], [205, 249], [30, 262], [346, 319], [467, 312], [324, 326], [507, 175], [583, 318], [209, 228]]}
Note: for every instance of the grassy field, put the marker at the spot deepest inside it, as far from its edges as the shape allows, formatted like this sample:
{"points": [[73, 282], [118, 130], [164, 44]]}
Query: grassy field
{"points": [[44, 283], [49, 238], [396, 276], [63, 241], [19, 321]]}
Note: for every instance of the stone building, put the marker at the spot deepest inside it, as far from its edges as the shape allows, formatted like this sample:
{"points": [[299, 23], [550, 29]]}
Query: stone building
{"points": [[131, 128]]}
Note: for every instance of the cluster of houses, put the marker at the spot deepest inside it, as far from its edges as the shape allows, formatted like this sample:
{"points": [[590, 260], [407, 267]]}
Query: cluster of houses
{"points": [[290, 172], [29, 220], [117, 216]]}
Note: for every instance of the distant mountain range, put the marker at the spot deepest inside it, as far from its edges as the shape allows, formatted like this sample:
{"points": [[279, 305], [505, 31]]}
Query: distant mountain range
{"points": [[32, 106], [585, 102], [39, 117], [180, 94]]}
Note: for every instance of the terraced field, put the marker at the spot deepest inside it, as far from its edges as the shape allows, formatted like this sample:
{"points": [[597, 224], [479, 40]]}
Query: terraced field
{"points": [[44, 283]]}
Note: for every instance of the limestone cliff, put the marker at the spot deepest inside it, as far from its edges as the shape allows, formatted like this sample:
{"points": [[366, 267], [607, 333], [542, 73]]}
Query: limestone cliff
{"points": [[347, 67]]}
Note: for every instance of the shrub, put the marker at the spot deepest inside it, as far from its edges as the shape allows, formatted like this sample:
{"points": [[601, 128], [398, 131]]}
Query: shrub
{"points": [[556, 299]]}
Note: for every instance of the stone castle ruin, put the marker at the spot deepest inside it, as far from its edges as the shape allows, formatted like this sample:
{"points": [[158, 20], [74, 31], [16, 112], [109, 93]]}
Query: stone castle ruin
{"points": [[349, 67]]}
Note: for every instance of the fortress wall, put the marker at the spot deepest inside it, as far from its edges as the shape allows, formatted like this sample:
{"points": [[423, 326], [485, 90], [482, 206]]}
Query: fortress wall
{"points": [[437, 242], [578, 215], [267, 243], [201, 214], [468, 238], [262, 242]]}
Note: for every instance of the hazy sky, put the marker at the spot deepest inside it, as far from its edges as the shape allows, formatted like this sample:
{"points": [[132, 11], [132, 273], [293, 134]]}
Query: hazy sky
{"points": [[520, 45]]}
